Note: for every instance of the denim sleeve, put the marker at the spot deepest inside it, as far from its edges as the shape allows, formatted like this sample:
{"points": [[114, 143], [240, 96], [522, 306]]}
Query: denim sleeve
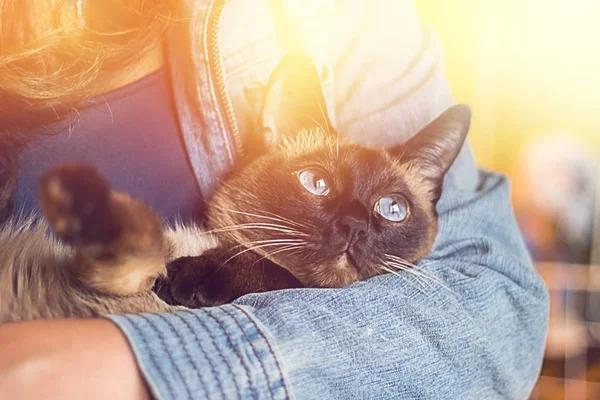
{"points": [[470, 325]]}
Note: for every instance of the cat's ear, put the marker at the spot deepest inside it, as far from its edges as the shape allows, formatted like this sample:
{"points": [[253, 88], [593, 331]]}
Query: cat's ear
{"points": [[435, 147], [293, 99]]}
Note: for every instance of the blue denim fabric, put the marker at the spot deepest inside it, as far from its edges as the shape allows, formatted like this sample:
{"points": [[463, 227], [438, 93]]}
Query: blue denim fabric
{"points": [[476, 332]]}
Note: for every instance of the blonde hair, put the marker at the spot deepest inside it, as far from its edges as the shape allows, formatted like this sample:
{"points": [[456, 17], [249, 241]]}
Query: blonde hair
{"points": [[56, 53]]}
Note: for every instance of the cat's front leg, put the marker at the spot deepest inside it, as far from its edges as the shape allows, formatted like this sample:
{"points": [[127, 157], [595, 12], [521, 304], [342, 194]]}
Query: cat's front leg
{"points": [[119, 243], [213, 279]]}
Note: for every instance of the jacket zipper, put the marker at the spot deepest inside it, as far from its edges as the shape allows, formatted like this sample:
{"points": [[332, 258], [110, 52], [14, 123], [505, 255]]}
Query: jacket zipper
{"points": [[216, 72]]}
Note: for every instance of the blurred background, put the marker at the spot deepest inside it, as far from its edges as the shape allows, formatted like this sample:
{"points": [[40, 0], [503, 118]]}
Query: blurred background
{"points": [[530, 71]]}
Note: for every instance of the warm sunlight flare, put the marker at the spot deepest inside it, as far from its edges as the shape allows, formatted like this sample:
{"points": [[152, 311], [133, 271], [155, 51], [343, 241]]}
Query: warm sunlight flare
{"points": [[528, 68]]}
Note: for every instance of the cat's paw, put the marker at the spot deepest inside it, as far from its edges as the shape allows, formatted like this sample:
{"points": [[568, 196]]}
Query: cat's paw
{"points": [[204, 281], [184, 284], [75, 200]]}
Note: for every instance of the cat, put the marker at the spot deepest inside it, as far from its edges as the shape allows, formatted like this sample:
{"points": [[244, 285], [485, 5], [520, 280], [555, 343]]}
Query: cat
{"points": [[307, 209]]}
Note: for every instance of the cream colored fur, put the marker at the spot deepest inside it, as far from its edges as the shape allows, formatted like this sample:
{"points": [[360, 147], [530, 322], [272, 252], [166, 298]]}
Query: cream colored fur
{"points": [[35, 282]]}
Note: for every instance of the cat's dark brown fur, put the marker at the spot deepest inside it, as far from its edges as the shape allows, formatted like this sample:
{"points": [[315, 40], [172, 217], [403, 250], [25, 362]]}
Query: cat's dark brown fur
{"points": [[274, 233]]}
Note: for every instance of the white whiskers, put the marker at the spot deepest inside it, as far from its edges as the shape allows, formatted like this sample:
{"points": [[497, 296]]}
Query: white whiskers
{"points": [[259, 225], [394, 263], [291, 238], [266, 243], [288, 248], [273, 217]]}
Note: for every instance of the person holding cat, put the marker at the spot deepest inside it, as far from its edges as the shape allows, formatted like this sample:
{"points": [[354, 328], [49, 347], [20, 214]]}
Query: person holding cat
{"points": [[163, 100]]}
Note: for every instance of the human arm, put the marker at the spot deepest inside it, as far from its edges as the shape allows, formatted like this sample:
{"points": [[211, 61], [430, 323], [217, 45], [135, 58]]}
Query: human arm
{"points": [[68, 359], [480, 335]]}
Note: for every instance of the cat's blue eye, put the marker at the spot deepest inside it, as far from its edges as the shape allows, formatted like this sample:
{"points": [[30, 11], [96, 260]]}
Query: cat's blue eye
{"points": [[392, 207], [314, 181]]}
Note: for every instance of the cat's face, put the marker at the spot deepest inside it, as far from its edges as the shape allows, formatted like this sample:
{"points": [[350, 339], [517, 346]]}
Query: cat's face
{"points": [[332, 212]]}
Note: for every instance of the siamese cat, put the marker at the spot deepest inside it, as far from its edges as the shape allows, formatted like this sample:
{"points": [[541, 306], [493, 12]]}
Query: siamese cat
{"points": [[309, 209]]}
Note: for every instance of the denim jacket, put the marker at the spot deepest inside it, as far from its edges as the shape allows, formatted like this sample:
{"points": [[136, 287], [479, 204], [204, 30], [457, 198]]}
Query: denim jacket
{"points": [[476, 330]]}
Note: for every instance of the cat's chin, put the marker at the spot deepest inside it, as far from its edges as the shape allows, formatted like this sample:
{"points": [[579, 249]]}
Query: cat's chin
{"points": [[340, 272]]}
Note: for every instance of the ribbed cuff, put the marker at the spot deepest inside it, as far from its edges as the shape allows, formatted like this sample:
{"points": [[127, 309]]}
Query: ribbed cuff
{"points": [[214, 353]]}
